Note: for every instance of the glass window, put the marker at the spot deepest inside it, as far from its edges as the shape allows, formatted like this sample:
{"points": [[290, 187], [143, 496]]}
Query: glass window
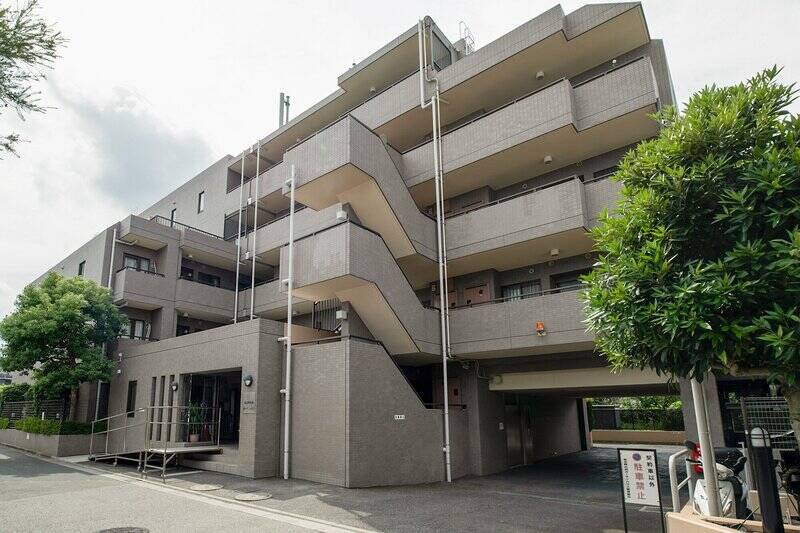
{"points": [[81, 268], [512, 292], [201, 202], [208, 279], [130, 405], [136, 262], [187, 273]]}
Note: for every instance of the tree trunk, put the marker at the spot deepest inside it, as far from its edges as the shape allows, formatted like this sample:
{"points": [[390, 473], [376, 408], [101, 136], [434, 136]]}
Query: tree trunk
{"points": [[793, 400], [73, 404]]}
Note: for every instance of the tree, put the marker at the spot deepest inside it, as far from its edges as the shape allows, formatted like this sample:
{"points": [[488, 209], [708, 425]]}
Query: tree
{"points": [[28, 46], [57, 333], [699, 267]]}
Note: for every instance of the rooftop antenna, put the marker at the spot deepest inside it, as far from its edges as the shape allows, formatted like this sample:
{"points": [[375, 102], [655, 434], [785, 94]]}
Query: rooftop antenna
{"points": [[283, 109]]}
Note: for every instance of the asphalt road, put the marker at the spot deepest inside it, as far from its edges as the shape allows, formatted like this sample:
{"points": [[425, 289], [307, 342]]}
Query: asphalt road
{"points": [[576, 492], [40, 495]]}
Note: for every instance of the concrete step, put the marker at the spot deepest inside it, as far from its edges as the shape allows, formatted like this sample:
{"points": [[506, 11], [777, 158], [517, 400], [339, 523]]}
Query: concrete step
{"points": [[212, 466]]}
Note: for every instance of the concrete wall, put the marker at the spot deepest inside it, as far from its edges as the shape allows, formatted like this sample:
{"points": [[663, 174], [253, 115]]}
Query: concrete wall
{"points": [[556, 427], [486, 418], [50, 445], [346, 396], [250, 346]]}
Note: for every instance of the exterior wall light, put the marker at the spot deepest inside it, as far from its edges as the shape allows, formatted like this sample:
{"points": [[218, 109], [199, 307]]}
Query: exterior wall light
{"points": [[247, 380], [174, 386], [540, 330]]}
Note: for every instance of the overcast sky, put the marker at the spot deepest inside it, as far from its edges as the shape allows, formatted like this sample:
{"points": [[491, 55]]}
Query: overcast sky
{"points": [[147, 94]]}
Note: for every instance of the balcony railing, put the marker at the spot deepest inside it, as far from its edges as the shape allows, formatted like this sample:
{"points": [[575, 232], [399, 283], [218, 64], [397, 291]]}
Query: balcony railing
{"points": [[523, 296], [164, 221], [149, 338], [516, 195], [151, 272]]}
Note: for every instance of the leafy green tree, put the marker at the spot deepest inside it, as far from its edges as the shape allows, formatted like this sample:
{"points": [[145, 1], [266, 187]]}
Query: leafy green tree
{"points": [[57, 333], [699, 267], [28, 46]]}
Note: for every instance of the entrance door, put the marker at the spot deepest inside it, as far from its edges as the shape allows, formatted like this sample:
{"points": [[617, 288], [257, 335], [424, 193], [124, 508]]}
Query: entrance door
{"points": [[513, 435]]}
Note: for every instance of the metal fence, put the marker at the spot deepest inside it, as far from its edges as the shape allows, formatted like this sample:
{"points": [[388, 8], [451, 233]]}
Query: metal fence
{"points": [[772, 415], [52, 410], [611, 417]]}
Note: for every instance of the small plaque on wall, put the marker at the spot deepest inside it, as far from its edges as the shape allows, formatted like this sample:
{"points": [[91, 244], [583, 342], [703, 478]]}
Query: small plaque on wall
{"points": [[249, 402]]}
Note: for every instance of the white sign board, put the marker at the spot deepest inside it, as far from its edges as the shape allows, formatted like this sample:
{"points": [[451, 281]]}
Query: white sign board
{"points": [[639, 477]]}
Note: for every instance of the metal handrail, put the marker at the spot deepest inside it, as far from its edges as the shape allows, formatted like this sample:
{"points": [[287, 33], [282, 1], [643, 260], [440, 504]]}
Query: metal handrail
{"points": [[674, 485], [164, 221], [137, 269]]}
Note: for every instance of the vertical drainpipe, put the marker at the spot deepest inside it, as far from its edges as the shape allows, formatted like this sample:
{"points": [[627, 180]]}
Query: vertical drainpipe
{"points": [[444, 314], [239, 244], [289, 281], [255, 234]]}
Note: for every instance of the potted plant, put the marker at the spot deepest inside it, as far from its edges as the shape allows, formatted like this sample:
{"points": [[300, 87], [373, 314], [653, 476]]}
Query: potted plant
{"points": [[195, 422]]}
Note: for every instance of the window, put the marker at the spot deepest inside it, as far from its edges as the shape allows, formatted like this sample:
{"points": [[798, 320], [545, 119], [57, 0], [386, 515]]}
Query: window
{"points": [[518, 291], [605, 173], [136, 329], [136, 262], [172, 216], [201, 202], [130, 405], [208, 279], [569, 281], [182, 329], [187, 273], [81, 268]]}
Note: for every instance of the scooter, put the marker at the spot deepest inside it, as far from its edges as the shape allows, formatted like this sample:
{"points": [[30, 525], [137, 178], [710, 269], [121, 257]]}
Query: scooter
{"points": [[733, 489]]}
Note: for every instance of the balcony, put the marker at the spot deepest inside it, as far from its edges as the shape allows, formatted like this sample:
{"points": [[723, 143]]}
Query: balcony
{"points": [[271, 300], [142, 289], [204, 301], [507, 328], [568, 123], [520, 230], [558, 45], [203, 246], [146, 233]]}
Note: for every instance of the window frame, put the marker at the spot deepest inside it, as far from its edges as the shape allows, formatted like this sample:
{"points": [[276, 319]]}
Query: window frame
{"points": [[82, 268], [130, 400], [201, 201]]}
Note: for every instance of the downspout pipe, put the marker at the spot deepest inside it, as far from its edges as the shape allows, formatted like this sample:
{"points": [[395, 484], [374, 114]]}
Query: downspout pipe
{"points": [[239, 244], [255, 234], [289, 281], [440, 237]]}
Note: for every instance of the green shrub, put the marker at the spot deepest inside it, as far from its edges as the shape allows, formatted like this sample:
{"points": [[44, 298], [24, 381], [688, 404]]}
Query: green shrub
{"points": [[4, 423], [36, 425], [16, 392]]}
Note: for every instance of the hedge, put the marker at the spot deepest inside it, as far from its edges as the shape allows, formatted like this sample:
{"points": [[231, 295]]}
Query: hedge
{"points": [[16, 392], [33, 424], [4, 423]]}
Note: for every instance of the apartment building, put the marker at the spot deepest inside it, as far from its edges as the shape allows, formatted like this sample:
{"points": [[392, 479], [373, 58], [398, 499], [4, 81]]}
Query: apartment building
{"points": [[532, 125]]}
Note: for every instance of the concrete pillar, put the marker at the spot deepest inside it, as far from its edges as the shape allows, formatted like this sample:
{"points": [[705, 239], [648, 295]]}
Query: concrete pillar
{"points": [[487, 439]]}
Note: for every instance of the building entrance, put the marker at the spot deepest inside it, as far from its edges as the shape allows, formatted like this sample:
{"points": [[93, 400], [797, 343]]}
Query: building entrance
{"points": [[221, 390]]}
